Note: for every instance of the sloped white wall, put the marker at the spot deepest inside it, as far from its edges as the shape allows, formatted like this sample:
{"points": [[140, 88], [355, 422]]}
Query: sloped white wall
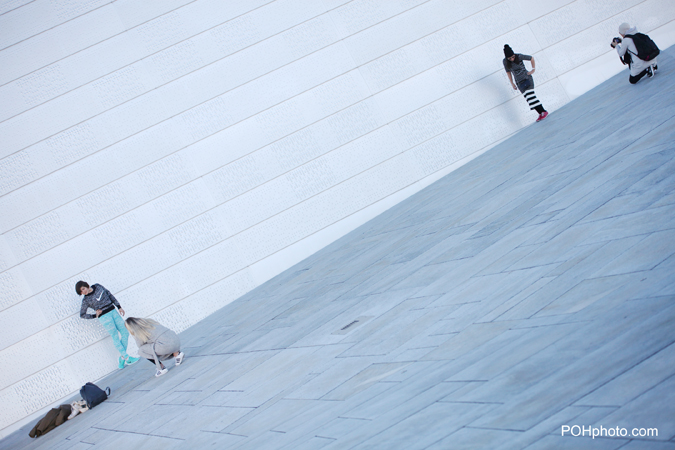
{"points": [[182, 152]]}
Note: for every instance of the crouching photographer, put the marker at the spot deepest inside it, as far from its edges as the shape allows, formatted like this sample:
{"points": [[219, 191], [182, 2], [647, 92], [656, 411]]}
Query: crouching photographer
{"points": [[636, 50]]}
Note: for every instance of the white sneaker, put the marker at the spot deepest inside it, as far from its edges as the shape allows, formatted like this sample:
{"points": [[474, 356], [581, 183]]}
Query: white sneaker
{"points": [[179, 358], [159, 373]]}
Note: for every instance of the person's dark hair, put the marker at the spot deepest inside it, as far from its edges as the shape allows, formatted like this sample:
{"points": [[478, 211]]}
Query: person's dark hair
{"points": [[81, 284]]}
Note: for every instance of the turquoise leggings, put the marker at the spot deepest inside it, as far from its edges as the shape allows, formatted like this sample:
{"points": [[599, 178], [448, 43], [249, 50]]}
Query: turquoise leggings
{"points": [[114, 325]]}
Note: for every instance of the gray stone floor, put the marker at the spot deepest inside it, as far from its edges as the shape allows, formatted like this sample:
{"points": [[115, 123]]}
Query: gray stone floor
{"points": [[530, 289]]}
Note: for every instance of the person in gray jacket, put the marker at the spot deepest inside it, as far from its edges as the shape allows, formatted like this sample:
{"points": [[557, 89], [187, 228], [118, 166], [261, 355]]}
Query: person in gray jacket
{"points": [[156, 343]]}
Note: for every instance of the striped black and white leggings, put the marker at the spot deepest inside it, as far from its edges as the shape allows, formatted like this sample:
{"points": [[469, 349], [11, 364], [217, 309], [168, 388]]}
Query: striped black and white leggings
{"points": [[526, 87]]}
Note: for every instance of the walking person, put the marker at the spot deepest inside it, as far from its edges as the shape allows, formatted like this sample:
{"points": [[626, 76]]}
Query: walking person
{"points": [[514, 66], [155, 342], [101, 300]]}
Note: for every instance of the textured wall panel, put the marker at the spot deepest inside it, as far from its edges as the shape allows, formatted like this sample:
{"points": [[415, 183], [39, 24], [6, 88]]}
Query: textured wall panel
{"points": [[403, 29], [58, 302], [13, 288], [588, 44], [54, 44], [10, 5], [71, 73], [177, 151], [137, 115], [357, 16], [18, 327], [40, 15], [576, 17]]}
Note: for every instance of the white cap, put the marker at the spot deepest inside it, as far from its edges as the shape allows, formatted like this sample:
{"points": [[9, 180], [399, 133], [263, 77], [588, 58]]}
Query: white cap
{"points": [[623, 28]]}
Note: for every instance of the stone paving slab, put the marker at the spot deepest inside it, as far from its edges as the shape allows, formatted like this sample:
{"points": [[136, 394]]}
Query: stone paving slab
{"points": [[571, 443], [629, 385], [532, 288], [653, 409], [591, 371]]}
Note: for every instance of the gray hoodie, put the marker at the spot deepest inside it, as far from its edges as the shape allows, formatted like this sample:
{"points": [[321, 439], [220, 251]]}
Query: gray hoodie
{"points": [[160, 346], [627, 45]]}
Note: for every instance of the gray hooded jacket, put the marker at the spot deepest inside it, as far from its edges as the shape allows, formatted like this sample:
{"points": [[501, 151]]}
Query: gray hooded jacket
{"points": [[160, 346], [627, 45]]}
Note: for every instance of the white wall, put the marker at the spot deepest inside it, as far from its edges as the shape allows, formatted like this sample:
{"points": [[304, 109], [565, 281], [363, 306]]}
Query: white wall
{"points": [[183, 152]]}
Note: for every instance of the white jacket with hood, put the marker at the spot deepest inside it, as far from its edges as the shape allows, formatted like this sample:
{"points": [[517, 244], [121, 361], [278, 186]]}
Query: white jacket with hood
{"points": [[627, 45]]}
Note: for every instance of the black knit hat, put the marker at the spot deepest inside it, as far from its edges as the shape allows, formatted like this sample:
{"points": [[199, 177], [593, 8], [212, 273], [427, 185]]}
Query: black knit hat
{"points": [[507, 51]]}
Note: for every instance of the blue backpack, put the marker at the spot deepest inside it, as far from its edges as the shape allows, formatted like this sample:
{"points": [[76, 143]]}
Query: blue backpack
{"points": [[93, 394]]}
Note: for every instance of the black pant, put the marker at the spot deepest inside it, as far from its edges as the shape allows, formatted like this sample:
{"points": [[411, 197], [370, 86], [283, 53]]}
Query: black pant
{"points": [[528, 84], [634, 79]]}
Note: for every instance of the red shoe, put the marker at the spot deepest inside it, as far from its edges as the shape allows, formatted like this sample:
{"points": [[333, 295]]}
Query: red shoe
{"points": [[542, 116]]}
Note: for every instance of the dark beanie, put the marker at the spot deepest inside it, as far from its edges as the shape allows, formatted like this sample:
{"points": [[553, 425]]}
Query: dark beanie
{"points": [[508, 52]]}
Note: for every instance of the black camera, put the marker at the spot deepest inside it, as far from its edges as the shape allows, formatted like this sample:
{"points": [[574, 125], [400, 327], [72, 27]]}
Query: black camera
{"points": [[616, 40]]}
